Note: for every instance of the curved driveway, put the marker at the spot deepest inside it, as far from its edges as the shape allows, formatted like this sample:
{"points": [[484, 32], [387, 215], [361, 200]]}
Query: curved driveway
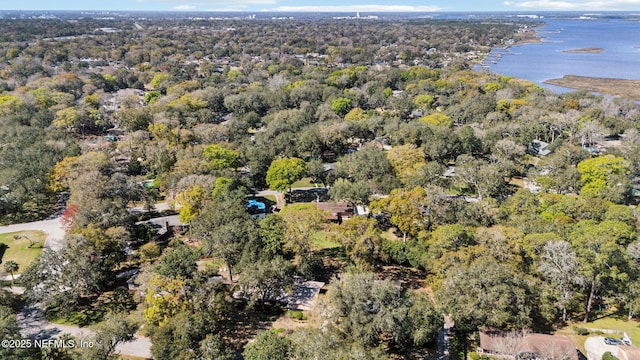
{"points": [[52, 227], [280, 202], [33, 324], [31, 319]]}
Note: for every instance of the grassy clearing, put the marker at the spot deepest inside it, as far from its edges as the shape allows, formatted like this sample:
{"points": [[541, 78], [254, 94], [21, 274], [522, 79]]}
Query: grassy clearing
{"points": [[610, 322], [320, 242], [20, 250], [632, 328], [390, 235], [304, 183], [210, 263], [269, 199]]}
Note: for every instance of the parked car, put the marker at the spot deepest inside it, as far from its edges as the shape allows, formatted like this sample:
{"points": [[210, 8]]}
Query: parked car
{"points": [[612, 341]]}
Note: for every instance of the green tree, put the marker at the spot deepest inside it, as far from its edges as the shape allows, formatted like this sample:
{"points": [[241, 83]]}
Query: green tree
{"points": [[213, 347], [308, 343], [356, 114], [485, 178], [301, 222], [190, 335], [224, 228], [363, 307], [341, 106], [449, 238], [365, 164], [601, 249], [282, 173], [357, 193], [361, 240], [441, 144], [487, 294], [604, 175], [271, 230], [407, 161], [165, 297], [64, 277], [267, 279], [317, 171], [11, 267], [178, 262], [115, 330], [423, 101], [220, 157], [437, 119], [191, 202], [268, 345]]}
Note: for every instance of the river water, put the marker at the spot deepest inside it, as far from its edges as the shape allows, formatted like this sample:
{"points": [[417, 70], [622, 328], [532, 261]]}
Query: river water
{"points": [[537, 62]]}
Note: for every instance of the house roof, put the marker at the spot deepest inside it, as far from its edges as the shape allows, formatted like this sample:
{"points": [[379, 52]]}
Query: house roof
{"points": [[337, 210], [304, 295], [552, 346], [539, 148], [163, 223]]}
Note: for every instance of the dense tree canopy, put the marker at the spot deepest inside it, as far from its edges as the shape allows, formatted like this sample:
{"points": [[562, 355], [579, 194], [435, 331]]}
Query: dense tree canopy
{"points": [[176, 113]]}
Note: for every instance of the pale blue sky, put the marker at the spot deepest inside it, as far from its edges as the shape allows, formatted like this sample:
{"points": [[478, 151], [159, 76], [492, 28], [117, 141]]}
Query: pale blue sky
{"points": [[324, 5]]}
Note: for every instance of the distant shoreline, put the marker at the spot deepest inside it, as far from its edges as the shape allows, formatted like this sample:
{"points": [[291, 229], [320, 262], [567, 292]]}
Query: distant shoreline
{"points": [[527, 36], [585, 50], [609, 86]]}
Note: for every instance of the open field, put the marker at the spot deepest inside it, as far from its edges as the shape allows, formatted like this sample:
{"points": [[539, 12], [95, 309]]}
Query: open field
{"points": [[608, 86], [19, 250]]}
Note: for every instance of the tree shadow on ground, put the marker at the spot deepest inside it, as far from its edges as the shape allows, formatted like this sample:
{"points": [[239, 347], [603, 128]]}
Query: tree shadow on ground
{"points": [[3, 249], [90, 311], [243, 324]]}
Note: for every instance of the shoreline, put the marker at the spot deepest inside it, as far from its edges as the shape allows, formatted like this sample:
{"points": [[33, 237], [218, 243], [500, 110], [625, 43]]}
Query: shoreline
{"points": [[585, 51], [522, 36], [606, 86]]}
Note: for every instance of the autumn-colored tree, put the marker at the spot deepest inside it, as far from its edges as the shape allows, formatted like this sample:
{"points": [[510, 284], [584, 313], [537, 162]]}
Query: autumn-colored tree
{"points": [[165, 297], [191, 202], [601, 173], [437, 119], [356, 114], [361, 240], [59, 177], [404, 208], [406, 160]]}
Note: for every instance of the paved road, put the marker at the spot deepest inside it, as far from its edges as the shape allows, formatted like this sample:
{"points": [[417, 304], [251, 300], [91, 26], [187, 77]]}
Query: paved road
{"points": [[33, 324], [31, 320], [280, 202], [52, 227]]}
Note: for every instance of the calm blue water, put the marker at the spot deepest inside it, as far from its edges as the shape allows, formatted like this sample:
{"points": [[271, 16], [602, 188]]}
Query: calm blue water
{"points": [[538, 62]]}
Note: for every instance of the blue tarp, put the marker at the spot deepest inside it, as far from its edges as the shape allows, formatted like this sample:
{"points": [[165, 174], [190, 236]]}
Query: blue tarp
{"points": [[257, 204]]}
